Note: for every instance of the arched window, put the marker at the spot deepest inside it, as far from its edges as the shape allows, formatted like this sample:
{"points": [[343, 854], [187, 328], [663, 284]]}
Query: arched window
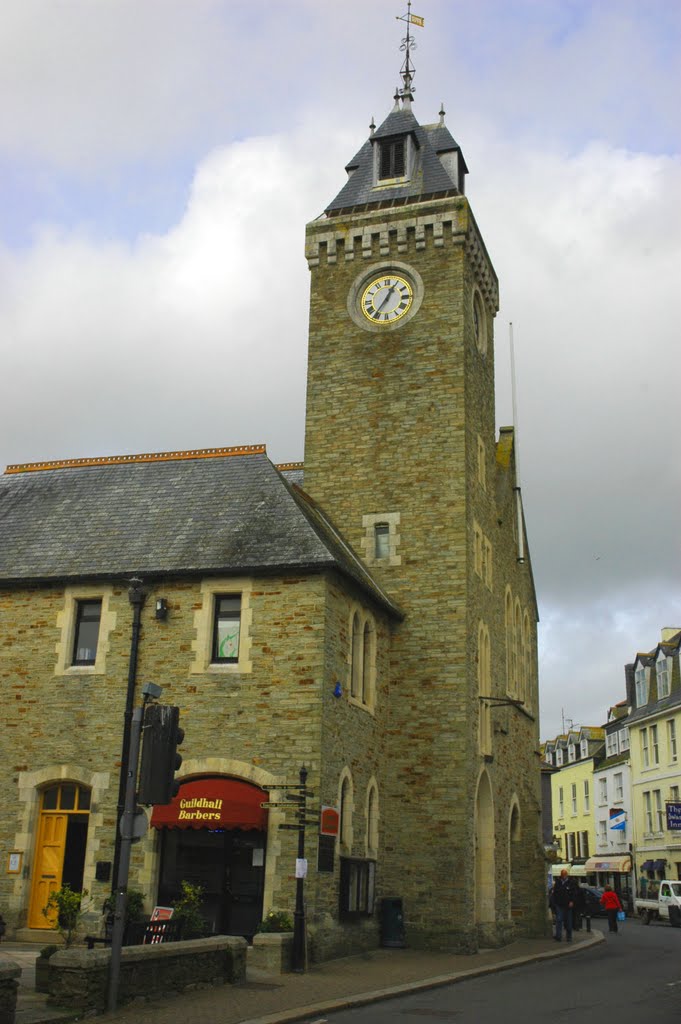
{"points": [[529, 661], [345, 823], [508, 622], [517, 650], [357, 660], [372, 820], [484, 685], [367, 657]]}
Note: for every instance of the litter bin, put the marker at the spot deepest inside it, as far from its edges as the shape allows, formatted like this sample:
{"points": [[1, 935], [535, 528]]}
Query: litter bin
{"points": [[392, 923]]}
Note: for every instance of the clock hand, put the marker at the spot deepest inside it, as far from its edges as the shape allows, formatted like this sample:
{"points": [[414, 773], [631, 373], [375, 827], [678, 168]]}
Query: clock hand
{"points": [[390, 291]]}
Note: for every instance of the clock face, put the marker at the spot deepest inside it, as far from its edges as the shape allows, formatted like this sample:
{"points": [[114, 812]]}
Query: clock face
{"points": [[386, 299]]}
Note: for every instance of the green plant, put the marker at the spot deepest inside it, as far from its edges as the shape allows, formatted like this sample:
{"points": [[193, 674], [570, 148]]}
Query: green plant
{"points": [[187, 909], [276, 921], [47, 951], [64, 908], [134, 905]]}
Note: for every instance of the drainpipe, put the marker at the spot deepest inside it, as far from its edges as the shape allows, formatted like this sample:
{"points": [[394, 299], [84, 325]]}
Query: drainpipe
{"points": [[136, 596]]}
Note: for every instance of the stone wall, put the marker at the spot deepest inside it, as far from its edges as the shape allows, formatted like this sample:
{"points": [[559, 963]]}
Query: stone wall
{"points": [[9, 983], [79, 978]]}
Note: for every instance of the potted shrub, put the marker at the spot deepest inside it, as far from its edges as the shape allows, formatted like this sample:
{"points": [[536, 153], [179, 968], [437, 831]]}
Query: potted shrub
{"points": [[187, 910], [272, 948], [63, 909], [42, 968]]}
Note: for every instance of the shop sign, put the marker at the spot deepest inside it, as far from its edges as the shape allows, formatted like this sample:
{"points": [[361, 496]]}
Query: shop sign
{"points": [[674, 817], [213, 803]]}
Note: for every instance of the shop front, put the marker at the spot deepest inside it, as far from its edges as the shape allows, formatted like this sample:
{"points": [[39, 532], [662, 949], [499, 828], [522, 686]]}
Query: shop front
{"points": [[614, 871], [214, 834]]}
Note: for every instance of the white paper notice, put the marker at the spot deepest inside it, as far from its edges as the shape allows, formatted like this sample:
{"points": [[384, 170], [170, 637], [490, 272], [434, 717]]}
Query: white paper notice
{"points": [[301, 867]]}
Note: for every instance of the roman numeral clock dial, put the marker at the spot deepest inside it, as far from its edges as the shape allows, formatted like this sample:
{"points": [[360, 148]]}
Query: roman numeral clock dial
{"points": [[386, 299]]}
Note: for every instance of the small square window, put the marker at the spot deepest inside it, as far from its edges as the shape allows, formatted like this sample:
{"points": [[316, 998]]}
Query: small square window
{"points": [[226, 628], [86, 633]]}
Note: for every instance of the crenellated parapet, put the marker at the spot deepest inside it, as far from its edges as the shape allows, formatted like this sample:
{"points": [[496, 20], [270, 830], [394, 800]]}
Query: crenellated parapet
{"points": [[414, 228]]}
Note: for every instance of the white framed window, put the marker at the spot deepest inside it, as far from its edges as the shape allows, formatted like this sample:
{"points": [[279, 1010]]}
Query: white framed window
{"points": [[674, 794], [584, 844], [573, 797], [584, 748], [645, 750], [624, 738], [561, 803], [572, 753], [647, 811], [618, 780], [654, 745], [641, 685], [570, 844], [587, 797], [611, 744], [381, 541], [663, 672], [659, 814], [671, 740], [602, 833], [559, 757], [602, 791]]}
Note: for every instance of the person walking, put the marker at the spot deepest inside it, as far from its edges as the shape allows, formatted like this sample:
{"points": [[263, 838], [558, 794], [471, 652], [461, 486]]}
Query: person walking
{"points": [[611, 904], [563, 896]]}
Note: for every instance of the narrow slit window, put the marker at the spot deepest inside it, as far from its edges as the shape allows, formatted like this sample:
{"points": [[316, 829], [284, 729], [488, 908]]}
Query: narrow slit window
{"points": [[381, 540]]}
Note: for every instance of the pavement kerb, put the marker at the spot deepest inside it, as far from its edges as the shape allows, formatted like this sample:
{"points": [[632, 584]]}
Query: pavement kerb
{"points": [[366, 998]]}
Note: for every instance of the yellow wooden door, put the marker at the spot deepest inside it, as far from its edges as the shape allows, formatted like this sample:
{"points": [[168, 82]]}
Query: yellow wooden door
{"points": [[47, 871]]}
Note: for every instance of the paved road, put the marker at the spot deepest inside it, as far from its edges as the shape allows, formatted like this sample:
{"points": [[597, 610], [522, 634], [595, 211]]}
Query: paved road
{"points": [[633, 977]]}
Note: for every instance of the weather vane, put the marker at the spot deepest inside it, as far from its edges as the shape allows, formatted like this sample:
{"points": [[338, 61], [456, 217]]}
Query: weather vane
{"points": [[408, 44]]}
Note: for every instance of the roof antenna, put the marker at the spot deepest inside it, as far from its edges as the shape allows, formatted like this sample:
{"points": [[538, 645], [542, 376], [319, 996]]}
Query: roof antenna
{"points": [[407, 71]]}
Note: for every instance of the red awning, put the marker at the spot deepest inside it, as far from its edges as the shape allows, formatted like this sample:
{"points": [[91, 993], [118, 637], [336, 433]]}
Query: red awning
{"points": [[214, 803]]}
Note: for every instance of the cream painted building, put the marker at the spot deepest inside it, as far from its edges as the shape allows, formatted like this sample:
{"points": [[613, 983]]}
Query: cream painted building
{"points": [[572, 798], [654, 691]]}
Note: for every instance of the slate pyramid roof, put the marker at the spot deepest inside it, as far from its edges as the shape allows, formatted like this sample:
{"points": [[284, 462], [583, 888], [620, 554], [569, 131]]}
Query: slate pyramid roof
{"points": [[176, 514], [430, 175]]}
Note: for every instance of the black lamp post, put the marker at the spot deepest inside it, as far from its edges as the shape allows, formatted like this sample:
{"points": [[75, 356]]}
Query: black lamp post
{"points": [[299, 913]]}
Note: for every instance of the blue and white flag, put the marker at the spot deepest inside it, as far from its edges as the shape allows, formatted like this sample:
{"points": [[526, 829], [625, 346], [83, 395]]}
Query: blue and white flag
{"points": [[618, 819]]}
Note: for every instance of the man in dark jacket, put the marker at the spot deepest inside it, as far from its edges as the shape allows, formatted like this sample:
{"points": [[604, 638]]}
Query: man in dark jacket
{"points": [[563, 896]]}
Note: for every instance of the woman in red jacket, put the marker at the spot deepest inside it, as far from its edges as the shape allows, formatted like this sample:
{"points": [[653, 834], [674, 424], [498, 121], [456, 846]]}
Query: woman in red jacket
{"points": [[611, 903]]}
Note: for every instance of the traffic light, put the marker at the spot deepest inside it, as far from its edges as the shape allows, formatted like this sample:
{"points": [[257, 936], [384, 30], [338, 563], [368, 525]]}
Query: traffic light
{"points": [[161, 736]]}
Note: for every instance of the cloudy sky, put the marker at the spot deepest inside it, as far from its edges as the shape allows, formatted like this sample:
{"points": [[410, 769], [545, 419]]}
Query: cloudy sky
{"points": [[160, 158]]}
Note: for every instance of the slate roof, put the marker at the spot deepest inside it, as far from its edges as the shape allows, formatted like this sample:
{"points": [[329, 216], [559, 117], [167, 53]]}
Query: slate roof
{"points": [[430, 177], [229, 514]]}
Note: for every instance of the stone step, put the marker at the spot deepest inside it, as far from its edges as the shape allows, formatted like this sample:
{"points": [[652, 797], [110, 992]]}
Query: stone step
{"points": [[40, 936]]}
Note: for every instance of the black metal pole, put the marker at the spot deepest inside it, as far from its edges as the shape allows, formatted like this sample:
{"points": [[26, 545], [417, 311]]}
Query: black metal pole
{"points": [[136, 596], [299, 914], [126, 832]]}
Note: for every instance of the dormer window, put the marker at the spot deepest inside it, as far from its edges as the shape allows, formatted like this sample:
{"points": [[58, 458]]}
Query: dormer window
{"points": [[584, 748], [392, 158], [641, 682], [571, 752], [662, 670], [559, 758]]}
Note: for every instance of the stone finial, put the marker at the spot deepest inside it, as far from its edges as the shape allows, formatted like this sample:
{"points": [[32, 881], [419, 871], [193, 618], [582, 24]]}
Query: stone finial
{"points": [[442, 115]]}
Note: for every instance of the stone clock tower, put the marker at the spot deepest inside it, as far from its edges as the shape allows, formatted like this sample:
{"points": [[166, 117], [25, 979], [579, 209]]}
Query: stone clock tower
{"points": [[401, 452]]}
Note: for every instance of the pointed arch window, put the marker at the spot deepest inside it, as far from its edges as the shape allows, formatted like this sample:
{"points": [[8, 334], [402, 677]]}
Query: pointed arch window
{"points": [[484, 686], [357, 659]]}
